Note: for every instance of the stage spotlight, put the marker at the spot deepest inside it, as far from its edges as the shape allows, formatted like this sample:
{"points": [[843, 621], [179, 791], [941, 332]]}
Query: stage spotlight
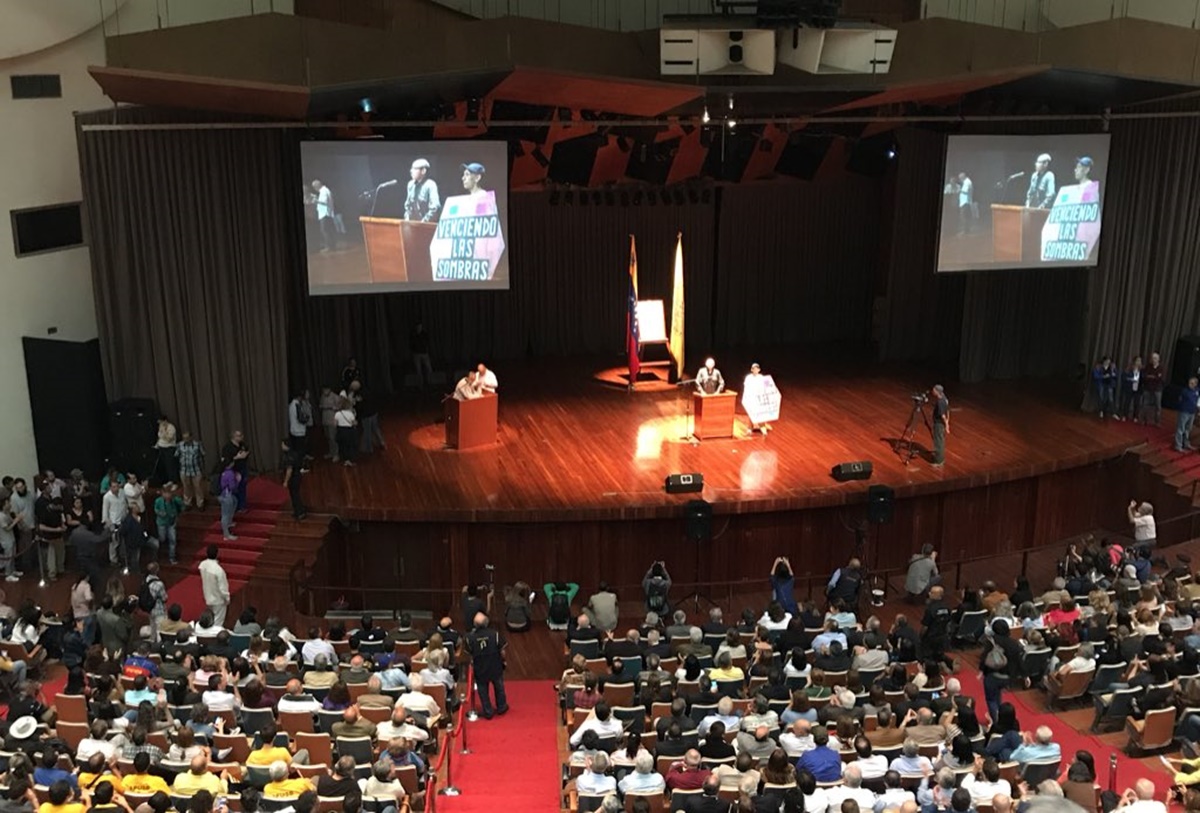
{"points": [[705, 117], [366, 105], [891, 152], [731, 124]]}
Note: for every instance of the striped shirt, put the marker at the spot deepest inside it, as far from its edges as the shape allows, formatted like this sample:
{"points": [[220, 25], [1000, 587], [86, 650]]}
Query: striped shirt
{"points": [[191, 458]]}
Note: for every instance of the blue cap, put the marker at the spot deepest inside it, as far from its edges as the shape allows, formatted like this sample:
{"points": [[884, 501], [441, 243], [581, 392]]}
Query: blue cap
{"points": [[1085, 160], [474, 169]]}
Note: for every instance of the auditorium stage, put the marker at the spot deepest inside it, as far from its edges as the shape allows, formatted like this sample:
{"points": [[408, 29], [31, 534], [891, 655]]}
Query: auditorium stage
{"points": [[572, 448]]}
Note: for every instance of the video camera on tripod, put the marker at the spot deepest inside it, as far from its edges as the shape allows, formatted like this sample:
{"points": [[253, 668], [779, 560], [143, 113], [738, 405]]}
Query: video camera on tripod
{"points": [[920, 397]]}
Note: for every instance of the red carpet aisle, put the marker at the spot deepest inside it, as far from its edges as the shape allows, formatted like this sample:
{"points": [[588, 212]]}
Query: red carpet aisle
{"points": [[514, 763], [264, 499], [1070, 739]]}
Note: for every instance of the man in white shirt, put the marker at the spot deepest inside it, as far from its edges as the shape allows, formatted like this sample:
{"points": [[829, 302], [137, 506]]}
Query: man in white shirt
{"points": [[416, 699], [1140, 799], [135, 492], [297, 700], [398, 728], [113, 509], [798, 740], [986, 782], [851, 788], [486, 380], [323, 197], [215, 585], [97, 742], [966, 201], [870, 765], [594, 780], [601, 721], [218, 697], [316, 645], [1141, 517]]}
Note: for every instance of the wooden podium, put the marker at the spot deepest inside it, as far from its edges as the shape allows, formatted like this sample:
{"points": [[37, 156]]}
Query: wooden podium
{"points": [[398, 250], [714, 414], [471, 423], [1017, 233]]}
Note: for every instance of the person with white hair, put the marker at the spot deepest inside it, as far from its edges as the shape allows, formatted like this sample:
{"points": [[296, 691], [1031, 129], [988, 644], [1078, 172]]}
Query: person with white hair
{"points": [[910, 760], [643, 779], [594, 778], [851, 788], [280, 787], [1041, 184], [416, 700], [725, 714], [1141, 517], [421, 203], [1140, 798], [798, 739], [1037, 746]]}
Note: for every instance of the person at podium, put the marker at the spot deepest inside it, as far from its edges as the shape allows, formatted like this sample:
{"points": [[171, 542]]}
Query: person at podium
{"points": [[709, 380], [486, 380], [1041, 184], [422, 202], [468, 387]]}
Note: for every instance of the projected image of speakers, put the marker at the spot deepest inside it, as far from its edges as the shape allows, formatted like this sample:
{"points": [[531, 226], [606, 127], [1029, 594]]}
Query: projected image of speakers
{"points": [[697, 516]]}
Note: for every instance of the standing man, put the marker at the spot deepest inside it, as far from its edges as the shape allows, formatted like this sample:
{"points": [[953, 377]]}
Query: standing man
{"points": [[350, 374], [190, 457], [368, 421], [1041, 184], [418, 345], [21, 504], [486, 380], [299, 418], [486, 648], [422, 202], [236, 452], [157, 592], [164, 447], [468, 388], [51, 533], [324, 201], [1131, 390], [1104, 379], [330, 401], [1153, 378], [709, 380], [293, 473], [966, 203], [167, 509], [1187, 415], [215, 585], [114, 507], [941, 424], [228, 488]]}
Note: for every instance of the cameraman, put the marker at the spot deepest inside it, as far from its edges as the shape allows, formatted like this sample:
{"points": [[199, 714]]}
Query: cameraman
{"points": [[941, 423]]}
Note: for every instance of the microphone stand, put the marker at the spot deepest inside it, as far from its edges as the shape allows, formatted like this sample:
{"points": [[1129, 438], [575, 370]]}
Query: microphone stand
{"points": [[375, 195], [688, 433]]}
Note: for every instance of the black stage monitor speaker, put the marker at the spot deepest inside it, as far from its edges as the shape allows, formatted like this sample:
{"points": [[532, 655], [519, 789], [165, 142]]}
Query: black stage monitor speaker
{"points": [[698, 514], [856, 470], [685, 483], [880, 503]]}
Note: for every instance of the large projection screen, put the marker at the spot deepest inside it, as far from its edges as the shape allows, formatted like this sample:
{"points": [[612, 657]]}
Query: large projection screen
{"points": [[385, 216], [1022, 201]]}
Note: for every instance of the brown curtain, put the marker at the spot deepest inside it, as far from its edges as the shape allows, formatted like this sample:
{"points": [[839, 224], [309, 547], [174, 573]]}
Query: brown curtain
{"points": [[189, 268]]}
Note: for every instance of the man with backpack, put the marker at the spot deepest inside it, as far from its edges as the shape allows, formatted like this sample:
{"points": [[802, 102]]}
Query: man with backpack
{"points": [[656, 584], [152, 598], [559, 596]]}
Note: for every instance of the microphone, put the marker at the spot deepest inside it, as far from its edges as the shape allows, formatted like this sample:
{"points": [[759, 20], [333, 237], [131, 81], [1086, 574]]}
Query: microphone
{"points": [[1016, 175], [383, 185]]}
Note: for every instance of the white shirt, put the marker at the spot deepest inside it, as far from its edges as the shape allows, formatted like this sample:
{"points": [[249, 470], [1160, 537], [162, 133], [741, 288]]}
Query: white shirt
{"points": [[766, 622], [386, 732], [134, 495], [296, 426], [219, 700], [872, 767], [839, 794], [982, 791], [318, 646], [1143, 528], [604, 728], [965, 192], [1145, 806], [114, 508], [795, 745], [343, 418], [325, 202], [419, 701], [817, 803], [214, 582], [289, 703], [894, 798], [592, 782], [488, 381], [88, 746]]}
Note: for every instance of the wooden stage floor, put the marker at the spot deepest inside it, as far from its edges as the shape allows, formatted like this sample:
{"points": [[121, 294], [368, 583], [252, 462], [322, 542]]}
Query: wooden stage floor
{"points": [[572, 447]]}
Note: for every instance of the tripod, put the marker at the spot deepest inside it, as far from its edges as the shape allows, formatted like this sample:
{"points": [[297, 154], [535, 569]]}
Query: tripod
{"points": [[907, 446]]}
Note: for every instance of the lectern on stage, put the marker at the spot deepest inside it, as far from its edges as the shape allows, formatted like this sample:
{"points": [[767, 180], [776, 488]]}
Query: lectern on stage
{"points": [[398, 250], [1017, 233], [471, 423], [714, 414]]}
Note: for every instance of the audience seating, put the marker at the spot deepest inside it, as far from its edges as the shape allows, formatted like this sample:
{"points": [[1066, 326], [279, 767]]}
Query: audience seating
{"points": [[1154, 732]]}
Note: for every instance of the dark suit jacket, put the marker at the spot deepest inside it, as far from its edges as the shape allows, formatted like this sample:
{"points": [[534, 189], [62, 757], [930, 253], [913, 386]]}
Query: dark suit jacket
{"points": [[706, 804]]}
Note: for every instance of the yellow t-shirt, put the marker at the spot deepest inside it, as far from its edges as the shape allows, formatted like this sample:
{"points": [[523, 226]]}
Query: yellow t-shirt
{"points": [[732, 673], [144, 783], [89, 781], [69, 807], [286, 788], [187, 783], [268, 754]]}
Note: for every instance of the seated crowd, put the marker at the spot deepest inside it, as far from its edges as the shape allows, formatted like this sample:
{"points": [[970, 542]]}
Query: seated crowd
{"points": [[799, 709], [190, 716]]}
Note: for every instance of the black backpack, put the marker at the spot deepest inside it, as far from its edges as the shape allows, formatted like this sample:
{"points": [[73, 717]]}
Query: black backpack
{"points": [[560, 608], [146, 599]]}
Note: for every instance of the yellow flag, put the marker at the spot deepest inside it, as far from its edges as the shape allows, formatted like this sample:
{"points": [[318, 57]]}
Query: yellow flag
{"points": [[676, 345]]}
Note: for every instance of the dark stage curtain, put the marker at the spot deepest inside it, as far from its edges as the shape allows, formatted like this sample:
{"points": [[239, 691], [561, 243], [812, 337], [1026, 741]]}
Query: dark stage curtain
{"points": [[190, 266], [1145, 293], [796, 261], [922, 311]]}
